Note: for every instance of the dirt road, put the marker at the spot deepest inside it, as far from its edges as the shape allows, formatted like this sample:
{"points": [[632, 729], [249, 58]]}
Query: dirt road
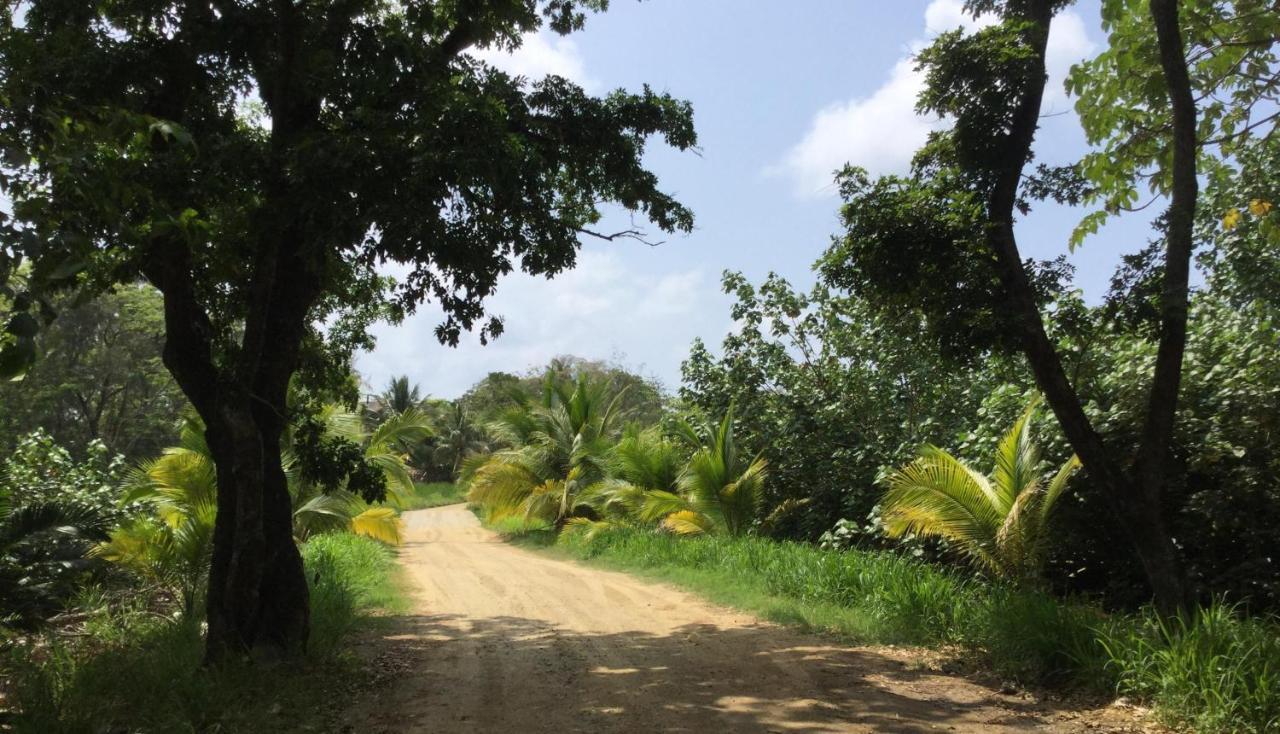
{"points": [[506, 640]]}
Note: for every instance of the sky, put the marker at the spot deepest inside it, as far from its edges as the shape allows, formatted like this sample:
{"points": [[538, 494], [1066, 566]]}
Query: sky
{"points": [[783, 95]]}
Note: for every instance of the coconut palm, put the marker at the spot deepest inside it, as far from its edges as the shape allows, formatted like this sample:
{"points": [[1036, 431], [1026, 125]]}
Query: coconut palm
{"points": [[1001, 522], [645, 464], [559, 448], [387, 446], [457, 439], [399, 396], [720, 490], [173, 547]]}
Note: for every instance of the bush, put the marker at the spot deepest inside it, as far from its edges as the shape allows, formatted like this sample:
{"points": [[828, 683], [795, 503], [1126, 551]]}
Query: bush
{"points": [[40, 470]]}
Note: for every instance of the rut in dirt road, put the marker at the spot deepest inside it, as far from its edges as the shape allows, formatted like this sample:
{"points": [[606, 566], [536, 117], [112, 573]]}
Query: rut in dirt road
{"points": [[506, 640]]}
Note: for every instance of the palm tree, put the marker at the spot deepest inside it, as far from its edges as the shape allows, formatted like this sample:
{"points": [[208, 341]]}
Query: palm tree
{"points": [[173, 547], [720, 490], [39, 544], [558, 449], [644, 465], [399, 396], [457, 439], [1001, 522]]}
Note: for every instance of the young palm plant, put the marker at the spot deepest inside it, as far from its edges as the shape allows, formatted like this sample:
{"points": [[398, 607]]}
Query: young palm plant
{"points": [[173, 547], [558, 449], [720, 491], [644, 468], [40, 545], [1001, 522]]}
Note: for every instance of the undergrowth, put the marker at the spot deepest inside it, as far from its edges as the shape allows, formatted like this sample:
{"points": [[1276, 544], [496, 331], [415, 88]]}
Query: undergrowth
{"points": [[132, 669]]}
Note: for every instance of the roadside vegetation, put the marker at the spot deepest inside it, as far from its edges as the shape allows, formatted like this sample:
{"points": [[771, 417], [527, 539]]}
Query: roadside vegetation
{"points": [[126, 662], [942, 442]]}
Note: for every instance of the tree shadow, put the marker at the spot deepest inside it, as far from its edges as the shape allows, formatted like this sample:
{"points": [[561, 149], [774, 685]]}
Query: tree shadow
{"points": [[447, 673]]}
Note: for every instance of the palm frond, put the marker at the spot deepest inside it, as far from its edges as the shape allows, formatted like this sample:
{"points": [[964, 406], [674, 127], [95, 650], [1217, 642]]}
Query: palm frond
{"points": [[379, 523]]}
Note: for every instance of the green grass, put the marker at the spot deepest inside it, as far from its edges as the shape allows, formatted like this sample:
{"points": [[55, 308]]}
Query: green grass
{"points": [[139, 672], [434, 494], [1219, 673]]}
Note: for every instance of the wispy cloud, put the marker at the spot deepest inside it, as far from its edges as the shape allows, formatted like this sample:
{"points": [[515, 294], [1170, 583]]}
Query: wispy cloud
{"points": [[539, 55], [881, 131], [601, 309]]}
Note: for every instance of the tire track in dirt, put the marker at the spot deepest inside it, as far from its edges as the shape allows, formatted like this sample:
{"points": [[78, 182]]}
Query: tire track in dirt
{"points": [[507, 640]]}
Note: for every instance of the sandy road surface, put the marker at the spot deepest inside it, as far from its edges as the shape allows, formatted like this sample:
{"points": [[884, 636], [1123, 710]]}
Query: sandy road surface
{"points": [[506, 640]]}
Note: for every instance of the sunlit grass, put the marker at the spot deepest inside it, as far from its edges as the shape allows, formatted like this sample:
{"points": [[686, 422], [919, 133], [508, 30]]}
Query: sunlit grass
{"points": [[1218, 673]]}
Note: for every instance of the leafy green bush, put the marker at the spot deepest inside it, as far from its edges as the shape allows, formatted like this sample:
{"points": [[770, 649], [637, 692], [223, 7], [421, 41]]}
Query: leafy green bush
{"points": [[52, 509], [40, 470]]}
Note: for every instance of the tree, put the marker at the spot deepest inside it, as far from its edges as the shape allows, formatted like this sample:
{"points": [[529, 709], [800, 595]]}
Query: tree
{"points": [[456, 438], [254, 161], [1001, 522], [990, 83], [399, 396], [99, 378], [836, 390]]}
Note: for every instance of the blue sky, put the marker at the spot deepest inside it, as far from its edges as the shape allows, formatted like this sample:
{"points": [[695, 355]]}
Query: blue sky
{"points": [[783, 94]]}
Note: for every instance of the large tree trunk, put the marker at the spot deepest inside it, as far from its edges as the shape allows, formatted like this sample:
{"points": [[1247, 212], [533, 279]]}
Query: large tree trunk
{"points": [[258, 600], [1135, 503]]}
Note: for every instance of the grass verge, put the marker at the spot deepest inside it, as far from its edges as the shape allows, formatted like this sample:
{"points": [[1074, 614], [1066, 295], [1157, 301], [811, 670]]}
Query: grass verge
{"points": [[133, 670], [1217, 673], [433, 494]]}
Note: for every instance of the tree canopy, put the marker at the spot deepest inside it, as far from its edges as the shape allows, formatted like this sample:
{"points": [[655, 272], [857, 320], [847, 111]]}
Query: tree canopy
{"points": [[257, 162]]}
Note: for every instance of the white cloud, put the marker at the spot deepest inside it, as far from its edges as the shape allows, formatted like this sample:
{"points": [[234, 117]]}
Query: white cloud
{"points": [[881, 131], [600, 310], [539, 55]]}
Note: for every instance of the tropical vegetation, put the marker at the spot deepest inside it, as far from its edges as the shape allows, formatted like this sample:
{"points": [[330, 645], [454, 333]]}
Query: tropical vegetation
{"points": [[200, 209]]}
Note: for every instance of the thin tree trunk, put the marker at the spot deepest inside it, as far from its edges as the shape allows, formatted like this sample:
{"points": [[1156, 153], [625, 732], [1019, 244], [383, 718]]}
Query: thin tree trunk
{"points": [[1157, 435], [1137, 506]]}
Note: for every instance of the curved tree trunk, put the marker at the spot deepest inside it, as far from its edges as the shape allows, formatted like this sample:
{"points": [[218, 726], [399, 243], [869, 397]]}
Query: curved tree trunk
{"points": [[1136, 501]]}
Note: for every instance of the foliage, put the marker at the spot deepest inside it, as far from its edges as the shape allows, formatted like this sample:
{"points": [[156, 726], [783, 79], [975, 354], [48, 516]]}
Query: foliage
{"points": [[558, 449], [433, 494], [721, 487], [99, 378], [258, 189], [174, 546], [1002, 523], [836, 393], [1215, 672], [133, 669], [52, 509], [1232, 60], [457, 437]]}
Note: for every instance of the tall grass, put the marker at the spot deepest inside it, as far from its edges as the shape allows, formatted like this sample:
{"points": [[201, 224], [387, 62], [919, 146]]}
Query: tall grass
{"points": [[1217, 673], [140, 672]]}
